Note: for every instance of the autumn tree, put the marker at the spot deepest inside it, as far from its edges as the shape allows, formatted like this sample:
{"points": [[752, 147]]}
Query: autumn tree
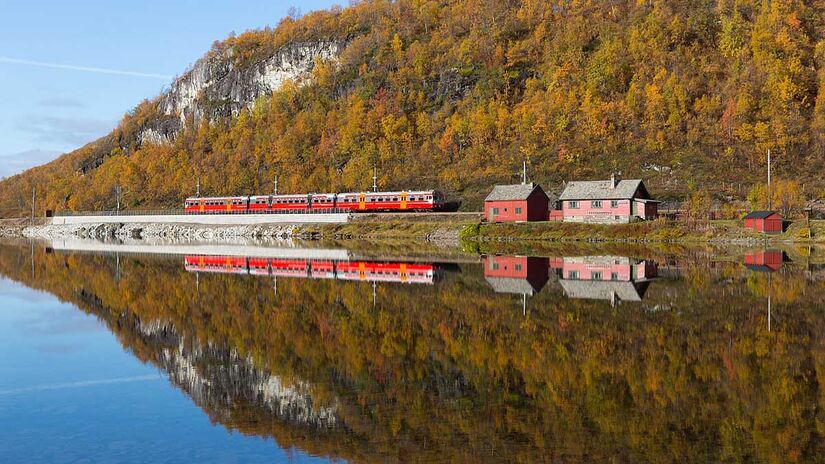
{"points": [[786, 197]]}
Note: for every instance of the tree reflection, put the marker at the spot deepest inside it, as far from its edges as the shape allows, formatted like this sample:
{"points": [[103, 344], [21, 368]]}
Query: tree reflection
{"points": [[449, 372]]}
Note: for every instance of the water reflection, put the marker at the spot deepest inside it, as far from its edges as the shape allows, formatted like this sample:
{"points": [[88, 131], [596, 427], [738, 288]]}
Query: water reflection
{"points": [[439, 372], [765, 260], [611, 278], [359, 270]]}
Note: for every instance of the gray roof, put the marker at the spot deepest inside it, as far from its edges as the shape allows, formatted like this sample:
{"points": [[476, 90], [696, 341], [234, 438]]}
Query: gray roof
{"points": [[600, 290], [760, 215], [600, 190], [511, 285], [513, 192]]}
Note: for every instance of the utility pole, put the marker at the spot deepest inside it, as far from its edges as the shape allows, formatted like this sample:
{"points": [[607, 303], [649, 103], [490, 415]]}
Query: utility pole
{"points": [[769, 179], [374, 178], [770, 290], [275, 192], [524, 172], [117, 193], [199, 187], [33, 192]]}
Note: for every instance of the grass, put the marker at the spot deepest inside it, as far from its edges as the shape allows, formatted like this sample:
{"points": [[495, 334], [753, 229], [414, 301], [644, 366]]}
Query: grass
{"points": [[663, 231]]}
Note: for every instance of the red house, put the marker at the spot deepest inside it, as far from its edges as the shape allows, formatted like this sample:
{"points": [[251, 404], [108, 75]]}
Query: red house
{"points": [[516, 203], [769, 222]]}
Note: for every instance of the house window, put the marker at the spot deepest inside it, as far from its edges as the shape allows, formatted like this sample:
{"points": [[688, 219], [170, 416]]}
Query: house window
{"points": [[518, 267], [614, 276], [595, 276], [495, 266], [495, 210], [573, 204], [596, 204], [518, 210], [573, 275], [614, 203]]}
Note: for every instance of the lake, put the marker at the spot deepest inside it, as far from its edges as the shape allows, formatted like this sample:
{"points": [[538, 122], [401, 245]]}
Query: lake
{"points": [[318, 353]]}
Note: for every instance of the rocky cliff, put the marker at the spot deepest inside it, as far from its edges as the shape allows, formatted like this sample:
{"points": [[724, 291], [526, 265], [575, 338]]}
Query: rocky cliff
{"points": [[218, 86]]}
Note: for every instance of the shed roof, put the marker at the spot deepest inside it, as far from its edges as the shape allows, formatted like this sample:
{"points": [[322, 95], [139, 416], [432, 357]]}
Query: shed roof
{"points": [[761, 214], [762, 267], [513, 192], [602, 189], [512, 285]]}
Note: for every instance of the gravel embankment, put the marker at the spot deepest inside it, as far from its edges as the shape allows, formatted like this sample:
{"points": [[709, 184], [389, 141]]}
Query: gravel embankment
{"points": [[189, 232]]}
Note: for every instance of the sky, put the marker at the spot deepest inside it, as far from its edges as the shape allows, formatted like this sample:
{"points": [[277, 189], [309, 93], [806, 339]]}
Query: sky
{"points": [[70, 69]]}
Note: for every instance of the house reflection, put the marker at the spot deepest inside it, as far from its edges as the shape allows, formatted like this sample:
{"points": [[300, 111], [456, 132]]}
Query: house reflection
{"points": [[367, 271], [610, 278], [519, 275], [765, 260]]}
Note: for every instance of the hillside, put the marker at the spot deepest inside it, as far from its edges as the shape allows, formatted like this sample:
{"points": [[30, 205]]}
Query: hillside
{"points": [[455, 94]]}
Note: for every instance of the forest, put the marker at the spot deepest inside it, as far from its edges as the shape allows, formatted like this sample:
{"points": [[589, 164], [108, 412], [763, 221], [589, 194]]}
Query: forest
{"points": [[455, 94], [457, 372]]}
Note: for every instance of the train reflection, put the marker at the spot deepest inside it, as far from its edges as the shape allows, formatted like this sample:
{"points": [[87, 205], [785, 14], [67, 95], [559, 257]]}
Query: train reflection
{"points": [[367, 271]]}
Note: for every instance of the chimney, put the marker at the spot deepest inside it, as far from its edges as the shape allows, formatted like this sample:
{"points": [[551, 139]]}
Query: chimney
{"points": [[613, 181]]}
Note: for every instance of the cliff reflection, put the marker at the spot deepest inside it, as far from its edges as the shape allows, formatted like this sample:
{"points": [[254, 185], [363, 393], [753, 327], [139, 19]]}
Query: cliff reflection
{"points": [[444, 372]]}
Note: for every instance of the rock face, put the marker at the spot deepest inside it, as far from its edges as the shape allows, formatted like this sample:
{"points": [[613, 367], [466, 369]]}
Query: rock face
{"points": [[215, 87]]}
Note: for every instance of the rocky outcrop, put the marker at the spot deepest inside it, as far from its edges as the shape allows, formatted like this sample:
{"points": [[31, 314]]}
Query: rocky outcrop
{"points": [[216, 87]]}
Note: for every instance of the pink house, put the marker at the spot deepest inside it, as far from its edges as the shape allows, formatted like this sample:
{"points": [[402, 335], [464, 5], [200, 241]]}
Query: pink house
{"points": [[607, 202]]}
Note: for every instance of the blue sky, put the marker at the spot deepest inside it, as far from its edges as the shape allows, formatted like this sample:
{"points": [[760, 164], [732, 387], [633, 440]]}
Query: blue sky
{"points": [[47, 110]]}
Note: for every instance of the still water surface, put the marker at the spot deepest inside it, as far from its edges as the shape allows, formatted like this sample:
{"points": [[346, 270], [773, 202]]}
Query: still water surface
{"points": [[318, 355]]}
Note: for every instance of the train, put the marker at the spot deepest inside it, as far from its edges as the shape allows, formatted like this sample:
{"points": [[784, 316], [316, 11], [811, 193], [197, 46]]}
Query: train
{"points": [[369, 271], [424, 200]]}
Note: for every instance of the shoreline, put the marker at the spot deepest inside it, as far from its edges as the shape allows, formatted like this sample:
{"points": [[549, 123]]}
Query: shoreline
{"points": [[452, 230]]}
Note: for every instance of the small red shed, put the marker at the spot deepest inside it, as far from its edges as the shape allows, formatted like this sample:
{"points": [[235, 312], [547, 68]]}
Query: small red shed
{"points": [[516, 203], [769, 222]]}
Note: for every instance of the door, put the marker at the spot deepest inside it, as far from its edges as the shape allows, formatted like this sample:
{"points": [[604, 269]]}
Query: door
{"points": [[403, 200], [362, 199]]}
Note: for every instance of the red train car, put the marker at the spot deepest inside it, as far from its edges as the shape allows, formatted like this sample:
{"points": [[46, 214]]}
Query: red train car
{"points": [[385, 272], [368, 271], [322, 269], [217, 264], [260, 203], [216, 205], [428, 200], [290, 267], [425, 200], [289, 202], [258, 266], [322, 201]]}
